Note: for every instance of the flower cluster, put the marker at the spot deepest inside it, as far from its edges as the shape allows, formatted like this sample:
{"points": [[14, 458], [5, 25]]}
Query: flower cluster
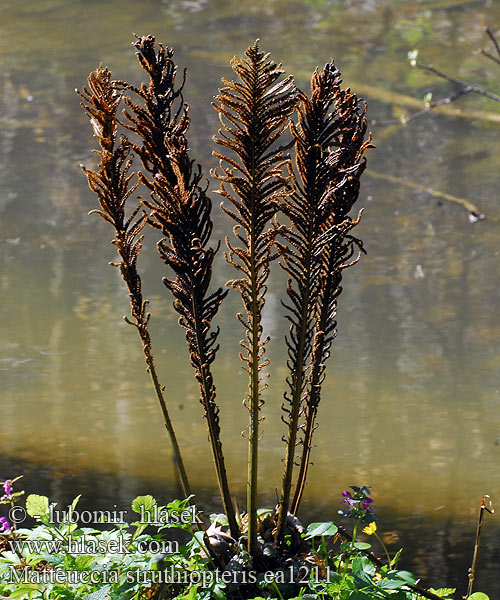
{"points": [[5, 526], [9, 497], [359, 504], [7, 486]]}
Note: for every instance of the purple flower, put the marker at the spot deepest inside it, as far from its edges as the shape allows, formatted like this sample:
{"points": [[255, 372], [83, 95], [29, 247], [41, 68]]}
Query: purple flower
{"points": [[5, 526], [347, 496], [366, 503], [358, 504], [7, 486]]}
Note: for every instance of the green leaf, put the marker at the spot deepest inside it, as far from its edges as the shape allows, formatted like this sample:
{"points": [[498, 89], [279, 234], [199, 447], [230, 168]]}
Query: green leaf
{"points": [[478, 596], [391, 584], [197, 542], [362, 579], [37, 506], [363, 563], [320, 529], [219, 518], [62, 593], [362, 545], [360, 596], [217, 591], [145, 501], [407, 577], [191, 595], [83, 562], [443, 592], [75, 501], [395, 559], [26, 589], [101, 594]]}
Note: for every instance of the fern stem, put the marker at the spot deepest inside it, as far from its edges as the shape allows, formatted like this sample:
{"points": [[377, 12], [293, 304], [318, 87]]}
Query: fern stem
{"points": [[312, 406], [253, 432], [328, 144], [179, 463], [297, 390], [207, 390]]}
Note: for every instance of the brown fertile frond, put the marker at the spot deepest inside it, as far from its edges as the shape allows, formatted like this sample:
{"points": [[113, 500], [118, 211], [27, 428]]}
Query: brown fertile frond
{"points": [[163, 114], [309, 208], [254, 112], [112, 181], [181, 210], [101, 100], [112, 184], [183, 214], [341, 146]]}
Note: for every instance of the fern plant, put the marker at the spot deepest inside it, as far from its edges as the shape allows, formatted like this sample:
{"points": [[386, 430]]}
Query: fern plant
{"points": [[312, 198], [181, 210], [329, 143], [112, 182], [255, 112]]}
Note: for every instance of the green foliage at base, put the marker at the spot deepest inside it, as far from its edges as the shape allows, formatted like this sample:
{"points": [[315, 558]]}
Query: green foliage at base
{"points": [[164, 554]]}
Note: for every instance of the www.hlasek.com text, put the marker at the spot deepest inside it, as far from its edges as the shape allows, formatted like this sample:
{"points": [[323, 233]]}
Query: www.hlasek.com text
{"points": [[84, 545]]}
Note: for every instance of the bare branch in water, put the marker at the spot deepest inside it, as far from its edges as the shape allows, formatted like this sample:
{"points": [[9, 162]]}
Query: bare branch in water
{"points": [[464, 88], [472, 570]]}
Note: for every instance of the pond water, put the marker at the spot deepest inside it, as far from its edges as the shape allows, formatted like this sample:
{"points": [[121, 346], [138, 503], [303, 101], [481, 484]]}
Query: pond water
{"points": [[411, 400]]}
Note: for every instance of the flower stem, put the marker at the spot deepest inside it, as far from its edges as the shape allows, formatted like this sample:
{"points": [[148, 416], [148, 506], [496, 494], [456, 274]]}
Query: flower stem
{"points": [[353, 541], [384, 548]]}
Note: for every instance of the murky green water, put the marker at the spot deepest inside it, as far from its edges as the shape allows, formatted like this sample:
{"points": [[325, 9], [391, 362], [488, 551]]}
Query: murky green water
{"points": [[412, 395]]}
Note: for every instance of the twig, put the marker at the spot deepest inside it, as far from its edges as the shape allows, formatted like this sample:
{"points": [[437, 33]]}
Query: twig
{"points": [[398, 99], [463, 84], [464, 88], [490, 34], [490, 56], [429, 108], [473, 210], [472, 570]]}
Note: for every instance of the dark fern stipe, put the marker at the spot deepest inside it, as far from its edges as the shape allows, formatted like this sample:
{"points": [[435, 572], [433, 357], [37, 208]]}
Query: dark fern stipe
{"points": [[181, 210], [114, 184], [329, 143], [254, 112]]}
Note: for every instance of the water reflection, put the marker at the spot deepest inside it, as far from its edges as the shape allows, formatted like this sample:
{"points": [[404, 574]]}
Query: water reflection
{"points": [[411, 397]]}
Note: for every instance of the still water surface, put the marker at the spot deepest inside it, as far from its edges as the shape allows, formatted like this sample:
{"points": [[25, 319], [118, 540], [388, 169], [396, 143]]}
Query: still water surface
{"points": [[411, 401]]}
